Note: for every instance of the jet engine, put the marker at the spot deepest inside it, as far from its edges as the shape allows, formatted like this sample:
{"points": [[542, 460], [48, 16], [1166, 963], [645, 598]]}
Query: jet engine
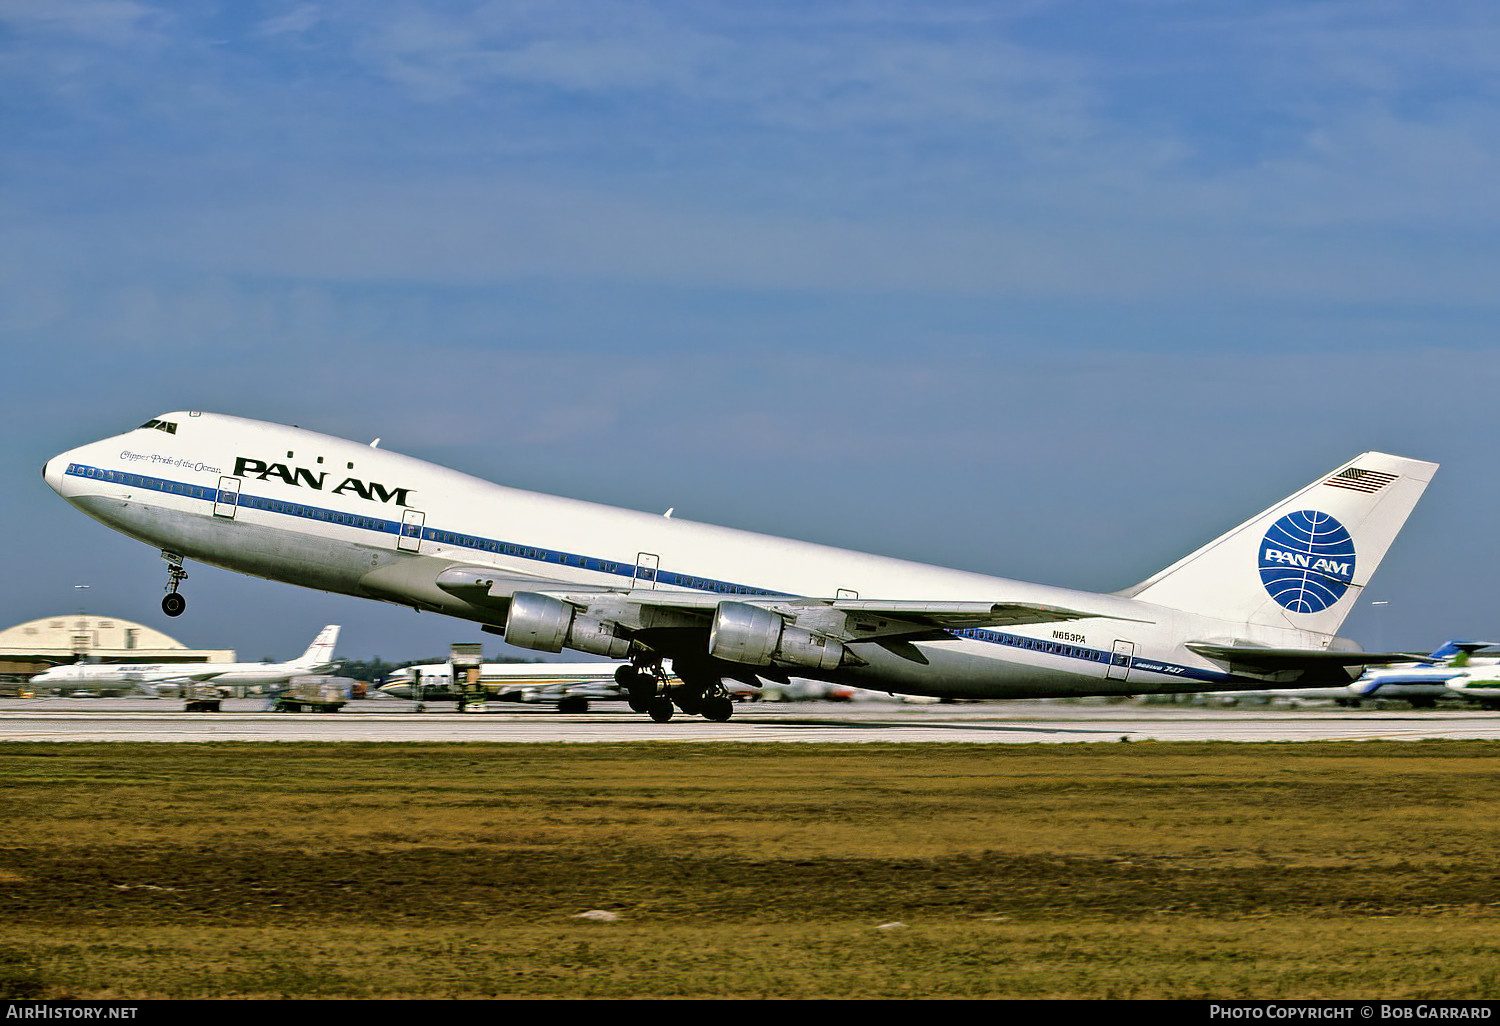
{"points": [[549, 625], [743, 633]]}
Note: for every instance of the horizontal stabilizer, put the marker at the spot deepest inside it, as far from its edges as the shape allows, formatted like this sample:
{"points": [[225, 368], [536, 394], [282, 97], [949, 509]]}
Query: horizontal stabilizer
{"points": [[1254, 658]]}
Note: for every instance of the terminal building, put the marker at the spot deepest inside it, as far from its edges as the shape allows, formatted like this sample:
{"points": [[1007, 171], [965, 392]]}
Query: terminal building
{"points": [[32, 647]]}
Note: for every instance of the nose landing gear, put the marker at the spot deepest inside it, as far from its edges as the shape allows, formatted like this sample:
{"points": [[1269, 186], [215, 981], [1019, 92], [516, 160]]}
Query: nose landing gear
{"points": [[172, 603]]}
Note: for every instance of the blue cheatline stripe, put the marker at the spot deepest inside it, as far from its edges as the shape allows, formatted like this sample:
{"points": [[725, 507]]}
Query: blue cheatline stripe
{"points": [[624, 569], [210, 494]]}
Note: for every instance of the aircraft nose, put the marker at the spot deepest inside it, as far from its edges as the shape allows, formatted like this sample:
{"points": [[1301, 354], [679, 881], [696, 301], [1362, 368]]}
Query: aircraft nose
{"points": [[55, 471], [52, 472]]}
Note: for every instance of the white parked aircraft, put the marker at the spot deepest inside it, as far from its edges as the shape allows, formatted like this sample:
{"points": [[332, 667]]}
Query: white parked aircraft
{"points": [[1455, 671], [1421, 682], [1479, 683], [1257, 607], [1446, 674], [154, 677]]}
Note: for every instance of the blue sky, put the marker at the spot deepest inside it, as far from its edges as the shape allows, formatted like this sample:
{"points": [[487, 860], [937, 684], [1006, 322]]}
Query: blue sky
{"points": [[1051, 290]]}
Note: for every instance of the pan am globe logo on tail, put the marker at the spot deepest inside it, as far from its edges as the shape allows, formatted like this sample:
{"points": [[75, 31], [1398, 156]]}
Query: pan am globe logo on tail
{"points": [[1307, 561]]}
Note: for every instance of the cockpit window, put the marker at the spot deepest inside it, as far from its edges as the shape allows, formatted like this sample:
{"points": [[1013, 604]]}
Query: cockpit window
{"points": [[161, 425]]}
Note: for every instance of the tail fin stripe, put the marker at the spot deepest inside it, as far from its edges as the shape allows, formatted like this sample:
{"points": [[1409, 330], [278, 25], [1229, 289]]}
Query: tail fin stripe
{"points": [[1361, 480]]}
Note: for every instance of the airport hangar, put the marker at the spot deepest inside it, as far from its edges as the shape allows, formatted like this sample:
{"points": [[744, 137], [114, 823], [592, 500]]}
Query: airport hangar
{"points": [[29, 648]]}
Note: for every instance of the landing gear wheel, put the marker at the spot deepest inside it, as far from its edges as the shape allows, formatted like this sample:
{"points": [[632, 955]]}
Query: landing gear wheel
{"points": [[661, 709], [640, 686], [689, 702], [173, 604], [642, 693], [717, 708]]}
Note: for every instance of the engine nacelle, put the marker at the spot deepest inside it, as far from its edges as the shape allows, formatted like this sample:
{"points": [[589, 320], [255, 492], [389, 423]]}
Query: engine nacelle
{"points": [[743, 633], [549, 625]]}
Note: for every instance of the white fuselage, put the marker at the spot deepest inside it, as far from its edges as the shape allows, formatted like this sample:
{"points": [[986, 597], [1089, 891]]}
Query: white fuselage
{"points": [[226, 674], [327, 513]]}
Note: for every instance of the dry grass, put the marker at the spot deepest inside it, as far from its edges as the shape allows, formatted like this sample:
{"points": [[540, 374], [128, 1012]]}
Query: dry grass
{"points": [[1308, 870]]}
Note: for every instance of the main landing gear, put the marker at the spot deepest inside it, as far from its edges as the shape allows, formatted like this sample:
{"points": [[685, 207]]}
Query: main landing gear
{"points": [[650, 692], [172, 603]]}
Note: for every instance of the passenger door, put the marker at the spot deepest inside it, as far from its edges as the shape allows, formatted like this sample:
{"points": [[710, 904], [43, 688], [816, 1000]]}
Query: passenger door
{"points": [[410, 539], [227, 499]]}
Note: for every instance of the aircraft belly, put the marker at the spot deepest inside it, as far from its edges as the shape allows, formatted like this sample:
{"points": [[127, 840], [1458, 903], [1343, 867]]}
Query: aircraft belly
{"points": [[294, 556], [239, 545], [976, 670], [411, 580], [965, 670]]}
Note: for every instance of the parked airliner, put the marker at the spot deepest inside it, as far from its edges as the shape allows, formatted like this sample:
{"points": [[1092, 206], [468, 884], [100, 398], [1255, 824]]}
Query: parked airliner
{"points": [[1479, 682], [1421, 683], [151, 676], [1453, 671], [569, 685], [1258, 607]]}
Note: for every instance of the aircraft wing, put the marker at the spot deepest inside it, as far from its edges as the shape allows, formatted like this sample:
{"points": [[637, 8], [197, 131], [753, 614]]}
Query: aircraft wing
{"points": [[859, 615], [763, 634], [186, 678], [484, 585], [955, 615]]}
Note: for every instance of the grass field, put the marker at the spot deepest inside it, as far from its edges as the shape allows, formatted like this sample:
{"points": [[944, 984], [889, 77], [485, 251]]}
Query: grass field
{"points": [[410, 870]]}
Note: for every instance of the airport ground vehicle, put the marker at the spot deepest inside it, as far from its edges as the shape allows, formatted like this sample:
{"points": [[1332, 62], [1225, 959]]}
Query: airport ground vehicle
{"points": [[312, 694]]}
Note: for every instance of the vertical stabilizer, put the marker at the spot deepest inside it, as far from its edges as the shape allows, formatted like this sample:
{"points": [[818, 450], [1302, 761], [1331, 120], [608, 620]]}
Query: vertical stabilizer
{"points": [[1458, 652], [1304, 562], [320, 652]]}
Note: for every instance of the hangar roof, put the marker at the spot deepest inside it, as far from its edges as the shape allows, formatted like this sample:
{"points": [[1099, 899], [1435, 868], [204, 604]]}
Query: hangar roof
{"points": [[109, 638]]}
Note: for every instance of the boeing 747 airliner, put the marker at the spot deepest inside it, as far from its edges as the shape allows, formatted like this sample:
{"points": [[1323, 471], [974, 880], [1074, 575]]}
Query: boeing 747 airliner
{"points": [[1257, 607]]}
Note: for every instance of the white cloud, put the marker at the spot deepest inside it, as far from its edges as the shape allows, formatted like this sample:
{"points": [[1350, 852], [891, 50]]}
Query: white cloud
{"points": [[297, 21], [114, 23]]}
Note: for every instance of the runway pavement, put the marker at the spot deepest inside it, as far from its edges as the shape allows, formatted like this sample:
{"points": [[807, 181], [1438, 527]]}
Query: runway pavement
{"points": [[988, 723]]}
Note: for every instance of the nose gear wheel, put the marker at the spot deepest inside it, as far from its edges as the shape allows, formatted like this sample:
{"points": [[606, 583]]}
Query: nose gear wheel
{"points": [[172, 603]]}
